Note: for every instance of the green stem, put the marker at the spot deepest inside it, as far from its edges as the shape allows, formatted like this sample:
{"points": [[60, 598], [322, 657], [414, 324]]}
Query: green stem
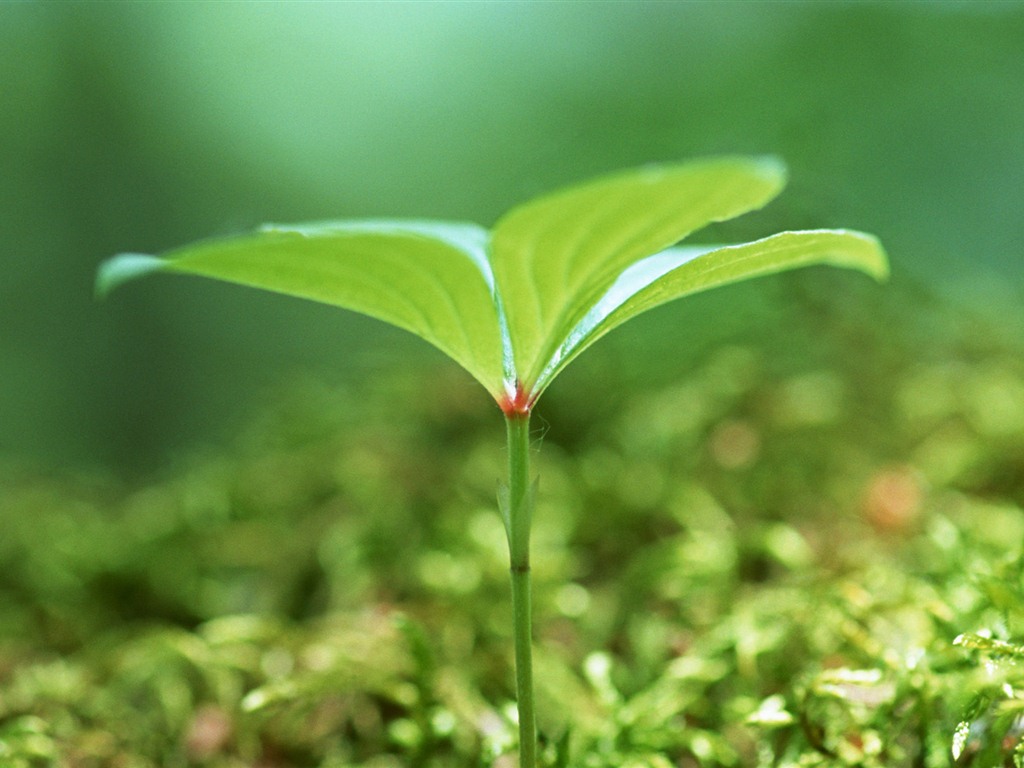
{"points": [[518, 512]]}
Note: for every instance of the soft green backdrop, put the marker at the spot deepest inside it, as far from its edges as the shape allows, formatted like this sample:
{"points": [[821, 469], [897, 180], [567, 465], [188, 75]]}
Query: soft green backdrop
{"points": [[141, 126]]}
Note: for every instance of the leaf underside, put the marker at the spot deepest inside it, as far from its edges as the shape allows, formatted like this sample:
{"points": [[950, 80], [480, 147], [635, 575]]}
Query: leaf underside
{"points": [[681, 271], [555, 256], [398, 272], [515, 306]]}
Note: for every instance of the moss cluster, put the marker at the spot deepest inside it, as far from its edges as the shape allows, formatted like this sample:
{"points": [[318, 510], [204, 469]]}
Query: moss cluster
{"points": [[757, 565]]}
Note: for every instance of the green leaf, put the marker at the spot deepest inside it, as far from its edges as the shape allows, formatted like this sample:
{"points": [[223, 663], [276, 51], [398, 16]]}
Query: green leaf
{"points": [[432, 279], [680, 271], [516, 306], [124, 267], [556, 256]]}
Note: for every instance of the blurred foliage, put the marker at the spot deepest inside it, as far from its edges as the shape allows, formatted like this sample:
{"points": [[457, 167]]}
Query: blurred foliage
{"points": [[142, 126], [796, 546], [773, 561]]}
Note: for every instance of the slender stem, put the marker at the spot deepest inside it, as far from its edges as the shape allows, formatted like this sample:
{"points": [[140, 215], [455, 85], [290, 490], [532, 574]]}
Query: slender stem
{"points": [[518, 513]]}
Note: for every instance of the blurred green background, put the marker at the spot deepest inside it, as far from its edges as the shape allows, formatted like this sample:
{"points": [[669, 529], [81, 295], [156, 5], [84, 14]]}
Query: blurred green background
{"points": [[141, 126]]}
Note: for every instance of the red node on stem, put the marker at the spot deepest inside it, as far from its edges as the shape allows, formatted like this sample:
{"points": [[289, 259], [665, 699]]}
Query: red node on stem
{"points": [[517, 403]]}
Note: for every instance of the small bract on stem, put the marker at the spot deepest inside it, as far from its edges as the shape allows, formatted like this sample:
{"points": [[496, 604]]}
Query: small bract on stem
{"points": [[515, 305]]}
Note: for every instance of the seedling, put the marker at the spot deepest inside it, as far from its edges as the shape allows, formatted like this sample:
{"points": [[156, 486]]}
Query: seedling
{"points": [[514, 305]]}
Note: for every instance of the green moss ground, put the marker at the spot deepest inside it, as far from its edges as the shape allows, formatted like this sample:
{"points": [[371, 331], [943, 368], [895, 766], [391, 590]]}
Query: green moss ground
{"points": [[761, 562]]}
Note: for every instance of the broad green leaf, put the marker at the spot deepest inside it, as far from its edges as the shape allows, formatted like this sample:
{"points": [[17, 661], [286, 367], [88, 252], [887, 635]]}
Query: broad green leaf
{"points": [[432, 279], [556, 256], [514, 308], [680, 271]]}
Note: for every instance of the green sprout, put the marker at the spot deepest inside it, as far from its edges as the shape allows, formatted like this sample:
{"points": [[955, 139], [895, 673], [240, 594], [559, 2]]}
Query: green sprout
{"points": [[514, 305]]}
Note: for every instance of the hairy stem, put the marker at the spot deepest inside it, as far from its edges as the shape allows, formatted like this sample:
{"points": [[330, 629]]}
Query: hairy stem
{"points": [[518, 511]]}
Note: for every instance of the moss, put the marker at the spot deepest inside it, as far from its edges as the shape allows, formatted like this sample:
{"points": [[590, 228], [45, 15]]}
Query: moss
{"points": [[780, 566]]}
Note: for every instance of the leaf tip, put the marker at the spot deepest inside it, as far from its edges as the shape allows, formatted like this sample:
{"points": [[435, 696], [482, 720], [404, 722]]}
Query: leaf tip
{"points": [[861, 251], [774, 168], [876, 261], [122, 268], [882, 270]]}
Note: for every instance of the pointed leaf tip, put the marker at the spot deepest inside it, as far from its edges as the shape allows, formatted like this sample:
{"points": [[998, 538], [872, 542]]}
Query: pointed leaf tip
{"points": [[773, 167], [875, 261], [122, 268]]}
